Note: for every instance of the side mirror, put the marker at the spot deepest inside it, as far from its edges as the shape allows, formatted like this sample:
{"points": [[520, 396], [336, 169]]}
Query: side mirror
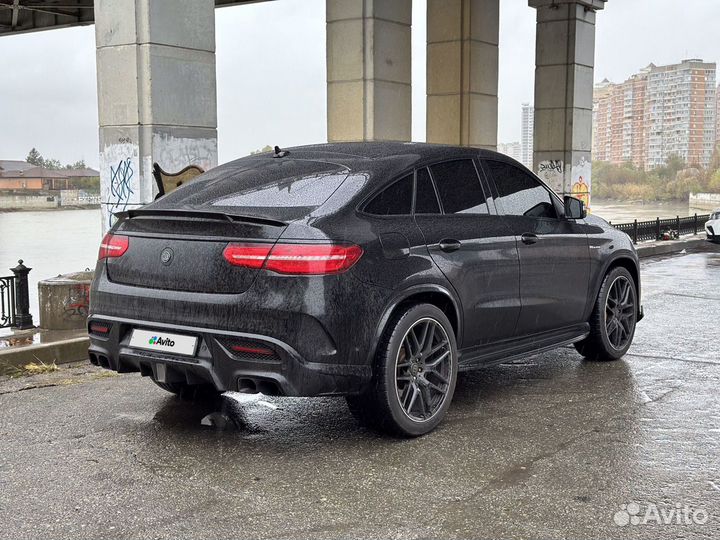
{"points": [[574, 208]]}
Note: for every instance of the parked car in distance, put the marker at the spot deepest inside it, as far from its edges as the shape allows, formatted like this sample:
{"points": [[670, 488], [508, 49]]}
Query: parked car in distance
{"points": [[374, 271], [712, 227]]}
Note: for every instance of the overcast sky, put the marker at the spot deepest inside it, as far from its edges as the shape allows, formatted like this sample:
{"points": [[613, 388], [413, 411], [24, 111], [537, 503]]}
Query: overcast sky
{"points": [[271, 72]]}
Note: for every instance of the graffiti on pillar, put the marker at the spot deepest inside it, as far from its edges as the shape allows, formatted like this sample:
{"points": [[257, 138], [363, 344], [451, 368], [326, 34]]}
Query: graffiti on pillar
{"points": [[552, 172], [581, 181], [120, 186], [119, 179], [175, 153], [552, 165], [75, 306]]}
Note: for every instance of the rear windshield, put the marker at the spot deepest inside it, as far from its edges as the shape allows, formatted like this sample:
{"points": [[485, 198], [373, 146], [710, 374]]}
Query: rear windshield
{"points": [[254, 183], [303, 191]]}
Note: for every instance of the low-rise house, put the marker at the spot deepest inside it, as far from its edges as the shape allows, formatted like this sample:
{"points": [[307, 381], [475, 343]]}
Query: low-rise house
{"points": [[23, 185]]}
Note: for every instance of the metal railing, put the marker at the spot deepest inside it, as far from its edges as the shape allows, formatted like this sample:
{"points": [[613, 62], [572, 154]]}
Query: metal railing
{"points": [[15, 299], [7, 301], [640, 231]]}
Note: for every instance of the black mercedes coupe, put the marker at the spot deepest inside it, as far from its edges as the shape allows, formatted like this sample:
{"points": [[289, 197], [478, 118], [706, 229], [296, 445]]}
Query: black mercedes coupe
{"points": [[374, 271]]}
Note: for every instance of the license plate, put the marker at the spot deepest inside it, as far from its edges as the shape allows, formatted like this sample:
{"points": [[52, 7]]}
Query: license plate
{"points": [[157, 340]]}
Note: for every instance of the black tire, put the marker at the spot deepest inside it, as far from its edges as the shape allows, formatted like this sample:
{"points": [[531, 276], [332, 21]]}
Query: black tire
{"points": [[425, 373], [190, 392], [611, 344]]}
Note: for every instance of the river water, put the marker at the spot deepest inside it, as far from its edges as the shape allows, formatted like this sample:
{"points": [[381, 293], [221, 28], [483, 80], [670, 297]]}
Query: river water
{"points": [[51, 242], [621, 212], [63, 241]]}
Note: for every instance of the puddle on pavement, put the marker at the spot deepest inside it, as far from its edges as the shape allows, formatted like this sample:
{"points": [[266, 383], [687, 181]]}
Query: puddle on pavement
{"points": [[37, 336], [232, 411], [18, 341]]}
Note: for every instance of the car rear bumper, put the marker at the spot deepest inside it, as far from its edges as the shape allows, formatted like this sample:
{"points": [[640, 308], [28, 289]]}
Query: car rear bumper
{"points": [[284, 372]]}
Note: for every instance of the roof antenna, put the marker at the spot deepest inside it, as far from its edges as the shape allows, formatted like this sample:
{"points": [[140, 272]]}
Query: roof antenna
{"points": [[280, 153]]}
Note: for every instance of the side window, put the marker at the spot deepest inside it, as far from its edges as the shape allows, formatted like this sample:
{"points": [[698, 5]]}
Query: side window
{"points": [[394, 200], [459, 187], [425, 198], [520, 193]]}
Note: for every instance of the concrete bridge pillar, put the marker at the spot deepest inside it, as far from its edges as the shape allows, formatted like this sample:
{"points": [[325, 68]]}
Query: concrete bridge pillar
{"points": [[368, 70], [156, 94], [462, 72], [564, 60]]}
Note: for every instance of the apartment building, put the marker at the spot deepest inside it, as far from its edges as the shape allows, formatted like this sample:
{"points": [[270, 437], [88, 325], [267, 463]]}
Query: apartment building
{"points": [[658, 112], [512, 149], [527, 129], [717, 116]]}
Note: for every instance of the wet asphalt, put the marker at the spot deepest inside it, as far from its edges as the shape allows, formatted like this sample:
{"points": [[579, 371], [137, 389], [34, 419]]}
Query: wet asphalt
{"points": [[548, 447]]}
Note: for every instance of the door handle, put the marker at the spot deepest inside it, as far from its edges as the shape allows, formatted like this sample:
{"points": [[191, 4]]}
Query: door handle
{"points": [[529, 238], [448, 244]]}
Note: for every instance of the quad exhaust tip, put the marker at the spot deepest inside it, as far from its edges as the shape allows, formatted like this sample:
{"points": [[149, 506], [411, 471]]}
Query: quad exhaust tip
{"points": [[261, 386], [245, 385]]}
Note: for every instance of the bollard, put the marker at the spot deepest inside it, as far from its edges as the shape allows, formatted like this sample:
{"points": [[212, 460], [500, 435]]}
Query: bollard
{"points": [[677, 225], [657, 228], [23, 318], [695, 223], [635, 231]]}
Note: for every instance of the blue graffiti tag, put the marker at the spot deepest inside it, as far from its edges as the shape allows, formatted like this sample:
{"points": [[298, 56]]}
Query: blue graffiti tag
{"points": [[120, 188]]}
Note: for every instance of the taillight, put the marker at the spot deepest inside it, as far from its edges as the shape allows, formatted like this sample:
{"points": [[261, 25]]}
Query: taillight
{"points": [[113, 245], [312, 258], [247, 255], [303, 259]]}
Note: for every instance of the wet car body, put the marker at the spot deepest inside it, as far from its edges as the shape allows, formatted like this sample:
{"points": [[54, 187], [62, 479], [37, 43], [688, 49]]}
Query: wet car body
{"points": [[509, 285]]}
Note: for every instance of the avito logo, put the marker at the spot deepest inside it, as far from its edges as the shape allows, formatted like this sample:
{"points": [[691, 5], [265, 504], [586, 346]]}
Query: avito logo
{"points": [[157, 340]]}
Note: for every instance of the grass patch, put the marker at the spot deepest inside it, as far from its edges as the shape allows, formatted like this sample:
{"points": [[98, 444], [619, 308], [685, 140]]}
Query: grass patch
{"points": [[39, 367], [85, 373]]}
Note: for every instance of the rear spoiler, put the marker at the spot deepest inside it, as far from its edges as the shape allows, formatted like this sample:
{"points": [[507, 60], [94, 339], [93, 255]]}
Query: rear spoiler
{"points": [[199, 214]]}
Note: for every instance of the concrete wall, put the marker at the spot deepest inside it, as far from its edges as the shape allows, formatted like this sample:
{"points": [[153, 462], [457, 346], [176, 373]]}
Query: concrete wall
{"points": [[69, 197], [705, 201], [33, 201], [76, 197], [64, 301]]}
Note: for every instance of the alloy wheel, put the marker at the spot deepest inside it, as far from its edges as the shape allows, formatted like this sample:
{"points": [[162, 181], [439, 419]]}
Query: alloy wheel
{"points": [[423, 369], [620, 313]]}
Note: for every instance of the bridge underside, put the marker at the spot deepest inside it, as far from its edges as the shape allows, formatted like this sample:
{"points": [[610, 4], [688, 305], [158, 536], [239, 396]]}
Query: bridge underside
{"points": [[18, 16], [157, 98]]}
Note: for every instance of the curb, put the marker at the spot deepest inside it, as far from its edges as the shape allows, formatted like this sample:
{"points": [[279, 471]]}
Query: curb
{"points": [[60, 352], [663, 247]]}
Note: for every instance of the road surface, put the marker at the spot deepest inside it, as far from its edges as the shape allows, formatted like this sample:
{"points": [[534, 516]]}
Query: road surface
{"points": [[551, 446]]}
